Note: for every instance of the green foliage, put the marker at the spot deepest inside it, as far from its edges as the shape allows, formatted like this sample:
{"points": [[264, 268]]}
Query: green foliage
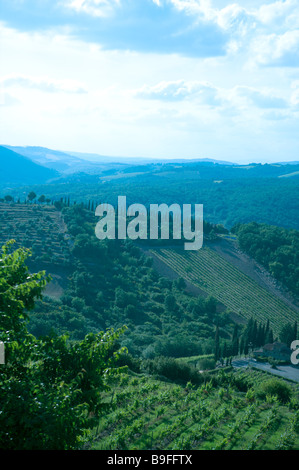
{"points": [[50, 387], [220, 279], [243, 194], [276, 248], [38, 227], [173, 370], [206, 364], [222, 412], [255, 334], [288, 333], [275, 387], [59, 367], [111, 282], [18, 289]]}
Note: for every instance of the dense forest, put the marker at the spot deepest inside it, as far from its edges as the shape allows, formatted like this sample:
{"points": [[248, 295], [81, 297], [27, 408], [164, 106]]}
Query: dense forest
{"points": [[229, 194], [275, 248]]}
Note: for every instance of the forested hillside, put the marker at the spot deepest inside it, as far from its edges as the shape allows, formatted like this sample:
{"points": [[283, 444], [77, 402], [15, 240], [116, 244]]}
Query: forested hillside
{"points": [[112, 283], [172, 340], [228, 201], [277, 249], [98, 285], [62, 394], [215, 276]]}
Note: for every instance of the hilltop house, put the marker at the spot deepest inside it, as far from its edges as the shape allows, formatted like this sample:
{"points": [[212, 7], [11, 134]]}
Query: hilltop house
{"points": [[278, 351]]}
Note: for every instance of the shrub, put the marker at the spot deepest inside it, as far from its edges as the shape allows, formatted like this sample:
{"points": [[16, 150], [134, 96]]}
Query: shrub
{"points": [[206, 364], [275, 387], [171, 369]]}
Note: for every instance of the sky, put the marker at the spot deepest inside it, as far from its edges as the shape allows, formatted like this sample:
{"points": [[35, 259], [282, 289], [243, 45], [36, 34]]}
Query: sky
{"points": [[152, 78]]}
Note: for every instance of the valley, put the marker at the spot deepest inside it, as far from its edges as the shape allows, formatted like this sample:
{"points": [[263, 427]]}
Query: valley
{"points": [[190, 319]]}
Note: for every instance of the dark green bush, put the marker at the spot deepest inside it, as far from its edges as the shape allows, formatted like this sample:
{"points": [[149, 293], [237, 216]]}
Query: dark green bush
{"points": [[173, 370], [275, 387]]}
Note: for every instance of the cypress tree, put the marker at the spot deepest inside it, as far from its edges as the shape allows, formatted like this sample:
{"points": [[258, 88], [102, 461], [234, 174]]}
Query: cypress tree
{"points": [[235, 341], [217, 346]]}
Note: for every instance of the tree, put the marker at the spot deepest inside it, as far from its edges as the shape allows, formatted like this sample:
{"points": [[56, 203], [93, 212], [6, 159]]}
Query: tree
{"points": [[170, 303], [31, 196], [288, 333], [180, 283], [42, 199], [49, 386], [8, 198], [217, 344], [235, 341]]}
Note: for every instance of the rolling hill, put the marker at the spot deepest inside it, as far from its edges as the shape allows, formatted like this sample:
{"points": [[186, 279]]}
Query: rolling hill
{"points": [[16, 169], [154, 414], [53, 159], [239, 292], [69, 163]]}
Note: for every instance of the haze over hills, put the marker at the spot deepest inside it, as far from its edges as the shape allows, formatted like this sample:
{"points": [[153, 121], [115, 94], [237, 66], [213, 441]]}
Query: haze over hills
{"points": [[18, 169], [40, 165], [55, 159], [68, 162], [142, 160], [71, 163]]}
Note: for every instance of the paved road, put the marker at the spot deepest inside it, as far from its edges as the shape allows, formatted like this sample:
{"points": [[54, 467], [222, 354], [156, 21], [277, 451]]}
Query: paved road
{"points": [[287, 372]]}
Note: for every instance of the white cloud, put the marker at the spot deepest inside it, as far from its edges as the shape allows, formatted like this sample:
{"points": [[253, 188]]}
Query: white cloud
{"points": [[186, 100], [295, 94], [280, 11], [180, 90], [277, 49], [44, 84], [235, 18], [265, 34], [238, 97], [234, 14], [261, 98], [231, 17], [98, 8]]}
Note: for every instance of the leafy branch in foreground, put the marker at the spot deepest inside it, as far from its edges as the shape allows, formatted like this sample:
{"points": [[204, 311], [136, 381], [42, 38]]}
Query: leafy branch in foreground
{"points": [[50, 387]]}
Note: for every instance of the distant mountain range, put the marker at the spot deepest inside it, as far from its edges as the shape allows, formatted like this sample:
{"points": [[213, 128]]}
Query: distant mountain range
{"points": [[70, 162], [17, 169], [93, 157], [35, 165], [73, 162], [53, 159]]}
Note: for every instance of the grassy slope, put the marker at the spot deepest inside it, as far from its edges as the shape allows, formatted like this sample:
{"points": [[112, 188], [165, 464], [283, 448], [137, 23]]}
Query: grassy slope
{"points": [[152, 414], [217, 277]]}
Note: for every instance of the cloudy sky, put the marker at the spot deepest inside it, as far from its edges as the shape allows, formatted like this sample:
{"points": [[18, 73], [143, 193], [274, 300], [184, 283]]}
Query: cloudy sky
{"points": [[152, 78]]}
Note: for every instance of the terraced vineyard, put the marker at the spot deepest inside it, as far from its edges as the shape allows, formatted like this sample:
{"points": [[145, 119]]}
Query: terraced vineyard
{"points": [[40, 228], [155, 415], [219, 278]]}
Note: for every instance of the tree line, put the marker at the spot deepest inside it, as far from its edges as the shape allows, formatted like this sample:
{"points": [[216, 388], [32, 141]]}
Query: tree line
{"points": [[275, 248]]}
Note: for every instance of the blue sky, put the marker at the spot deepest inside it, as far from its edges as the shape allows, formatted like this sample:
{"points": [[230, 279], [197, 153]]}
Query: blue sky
{"points": [[152, 78]]}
